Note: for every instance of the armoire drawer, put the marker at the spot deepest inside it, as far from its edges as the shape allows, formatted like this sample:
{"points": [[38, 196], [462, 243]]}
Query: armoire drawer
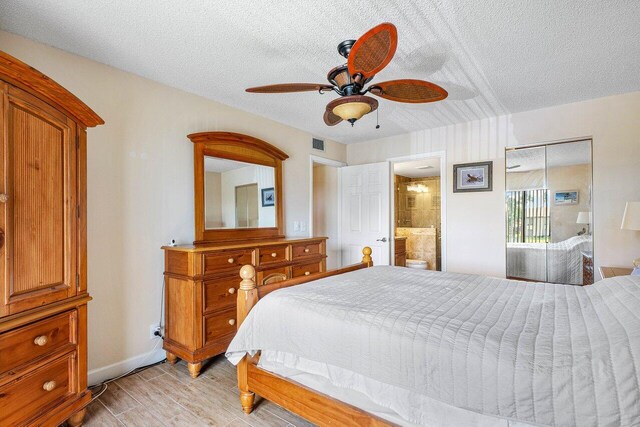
{"points": [[272, 255], [37, 391], [219, 324], [216, 262], [220, 294], [303, 250], [306, 269], [27, 343]]}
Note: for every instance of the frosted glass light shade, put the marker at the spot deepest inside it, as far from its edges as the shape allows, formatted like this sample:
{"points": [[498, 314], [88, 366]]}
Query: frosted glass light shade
{"points": [[631, 217], [584, 218], [352, 110]]}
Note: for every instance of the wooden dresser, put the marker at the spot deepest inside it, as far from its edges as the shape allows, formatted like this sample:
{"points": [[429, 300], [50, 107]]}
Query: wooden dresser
{"points": [[201, 282], [43, 249]]}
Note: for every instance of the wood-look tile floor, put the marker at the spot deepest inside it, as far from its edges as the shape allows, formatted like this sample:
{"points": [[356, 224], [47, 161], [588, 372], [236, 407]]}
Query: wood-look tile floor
{"points": [[165, 395]]}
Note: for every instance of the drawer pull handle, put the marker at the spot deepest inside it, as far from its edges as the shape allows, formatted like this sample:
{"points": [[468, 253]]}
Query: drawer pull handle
{"points": [[273, 254], [306, 250], [230, 260], [49, 385], [41, 340], [232, 322], [232, 291], [4, 198], [306, 273]]}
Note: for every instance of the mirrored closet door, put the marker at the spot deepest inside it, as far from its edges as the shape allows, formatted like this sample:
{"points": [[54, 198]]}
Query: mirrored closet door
{"points": [[548, 213]]}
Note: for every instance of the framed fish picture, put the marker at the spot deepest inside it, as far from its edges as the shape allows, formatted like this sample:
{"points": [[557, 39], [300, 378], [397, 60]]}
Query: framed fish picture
{"points": [[472, 177]]}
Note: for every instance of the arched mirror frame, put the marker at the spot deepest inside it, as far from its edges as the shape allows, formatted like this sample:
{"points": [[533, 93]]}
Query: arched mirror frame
{"points": [[243, 148]]}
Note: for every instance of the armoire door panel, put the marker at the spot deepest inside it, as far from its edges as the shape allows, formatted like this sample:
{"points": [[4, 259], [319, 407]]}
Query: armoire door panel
{"points": [[39, 218]]}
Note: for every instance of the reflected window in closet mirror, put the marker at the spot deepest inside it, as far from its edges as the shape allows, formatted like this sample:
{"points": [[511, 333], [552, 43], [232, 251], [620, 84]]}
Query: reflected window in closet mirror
{"points": [[549, 213], [232, 194]]}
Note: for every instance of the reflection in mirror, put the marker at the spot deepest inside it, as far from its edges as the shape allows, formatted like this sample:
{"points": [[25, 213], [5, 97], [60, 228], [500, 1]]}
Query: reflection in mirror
{"points": [[548, 210], [238, 194]]}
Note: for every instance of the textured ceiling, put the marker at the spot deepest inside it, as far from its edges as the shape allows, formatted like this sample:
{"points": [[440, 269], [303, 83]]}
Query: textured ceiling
{"points": [[215, 164], [418, 168], [554, 155], [493, 57]]}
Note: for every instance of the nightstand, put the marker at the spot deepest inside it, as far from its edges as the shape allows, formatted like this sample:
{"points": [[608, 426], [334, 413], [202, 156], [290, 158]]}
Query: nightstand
{"points": [[607, 272], [587, 268]]}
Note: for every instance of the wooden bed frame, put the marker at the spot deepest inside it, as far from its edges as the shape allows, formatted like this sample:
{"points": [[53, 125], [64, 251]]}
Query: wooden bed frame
{"points": [[304, 401]]}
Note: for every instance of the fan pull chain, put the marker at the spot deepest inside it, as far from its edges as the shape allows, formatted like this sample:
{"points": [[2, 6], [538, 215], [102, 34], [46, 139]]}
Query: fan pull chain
{"points": [[377, 116]]}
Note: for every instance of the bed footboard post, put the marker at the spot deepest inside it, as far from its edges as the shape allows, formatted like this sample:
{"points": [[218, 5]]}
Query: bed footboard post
{"points": [[247, 298], [366, 256]]}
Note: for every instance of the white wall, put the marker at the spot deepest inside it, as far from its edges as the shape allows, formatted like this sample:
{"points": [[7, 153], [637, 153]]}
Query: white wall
{"points": [[140, 188], [475, 221]]}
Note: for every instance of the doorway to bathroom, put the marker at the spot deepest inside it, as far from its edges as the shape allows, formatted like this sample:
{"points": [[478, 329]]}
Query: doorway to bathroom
{"points": [[418, 214]]}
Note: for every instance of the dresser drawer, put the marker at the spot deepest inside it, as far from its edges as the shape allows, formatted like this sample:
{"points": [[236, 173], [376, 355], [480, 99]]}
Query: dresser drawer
{"points": [[37, 391], [23, 345], [215, 262], [272, 255], [220, 294], [306, 269], [219, 325], [303, 250], [272, 275]]}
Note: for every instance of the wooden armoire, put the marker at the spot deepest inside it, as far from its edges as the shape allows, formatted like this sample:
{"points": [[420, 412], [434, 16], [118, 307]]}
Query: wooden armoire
{"points": [[43, 249]]}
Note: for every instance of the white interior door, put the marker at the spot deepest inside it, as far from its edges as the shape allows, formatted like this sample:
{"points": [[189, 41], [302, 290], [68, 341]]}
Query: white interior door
{"points": [[365, 212]]}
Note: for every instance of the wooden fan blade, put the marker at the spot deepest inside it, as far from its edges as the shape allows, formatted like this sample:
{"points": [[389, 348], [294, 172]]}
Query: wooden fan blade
{"points": [[411, 91], [331, 119], [289, 87], [373, 51]]}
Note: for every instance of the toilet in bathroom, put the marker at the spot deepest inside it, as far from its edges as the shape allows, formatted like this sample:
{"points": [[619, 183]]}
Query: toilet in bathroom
{"points": [[419, 264]]}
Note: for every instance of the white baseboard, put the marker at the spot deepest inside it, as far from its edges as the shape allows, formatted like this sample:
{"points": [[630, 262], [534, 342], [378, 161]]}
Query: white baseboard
{"points": [[96, 376]]}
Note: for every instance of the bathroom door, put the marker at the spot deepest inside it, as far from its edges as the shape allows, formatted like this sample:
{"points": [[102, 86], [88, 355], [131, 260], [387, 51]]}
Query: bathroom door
{"points": [[366, 212]]}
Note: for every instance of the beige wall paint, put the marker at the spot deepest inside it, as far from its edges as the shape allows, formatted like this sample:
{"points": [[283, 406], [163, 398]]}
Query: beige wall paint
{"points": [[476, 222], [140, 187], [563, 217], [213, 199], [325, 210]]}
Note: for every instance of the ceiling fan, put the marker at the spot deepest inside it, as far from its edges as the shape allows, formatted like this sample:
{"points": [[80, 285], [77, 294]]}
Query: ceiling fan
{"points": [[366, 57]]}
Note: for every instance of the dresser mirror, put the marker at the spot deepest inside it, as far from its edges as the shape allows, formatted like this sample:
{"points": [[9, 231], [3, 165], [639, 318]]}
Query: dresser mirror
{"points": [[238, 188], [549, 213], [238, 194]]}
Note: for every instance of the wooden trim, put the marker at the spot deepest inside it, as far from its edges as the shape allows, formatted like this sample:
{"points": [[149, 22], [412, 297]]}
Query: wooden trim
{"points": [[310, 404], [225, 139], [244, 148], [28, 78]]}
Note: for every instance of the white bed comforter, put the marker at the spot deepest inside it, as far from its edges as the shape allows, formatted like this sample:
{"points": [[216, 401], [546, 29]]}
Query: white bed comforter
{"points": [[539, 353]]}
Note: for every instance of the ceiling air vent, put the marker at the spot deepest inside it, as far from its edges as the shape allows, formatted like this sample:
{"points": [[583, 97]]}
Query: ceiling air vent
{"points": [[318, 144]]}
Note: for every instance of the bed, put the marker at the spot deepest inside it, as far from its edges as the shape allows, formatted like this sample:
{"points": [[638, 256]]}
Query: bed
{"points": [[390, 345], [559, 262]]}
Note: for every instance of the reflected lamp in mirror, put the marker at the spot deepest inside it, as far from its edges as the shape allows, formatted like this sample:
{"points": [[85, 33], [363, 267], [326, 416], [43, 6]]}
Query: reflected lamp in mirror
{"points": [[584, 218], [631, 221]]}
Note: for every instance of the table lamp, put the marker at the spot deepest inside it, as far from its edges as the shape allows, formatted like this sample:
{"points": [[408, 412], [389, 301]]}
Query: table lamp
{"points": [[585, 218], [631, 221]]}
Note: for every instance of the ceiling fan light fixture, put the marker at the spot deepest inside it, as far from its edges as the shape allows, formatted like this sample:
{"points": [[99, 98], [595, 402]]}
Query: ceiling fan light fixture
{"points": [[352, 108]]}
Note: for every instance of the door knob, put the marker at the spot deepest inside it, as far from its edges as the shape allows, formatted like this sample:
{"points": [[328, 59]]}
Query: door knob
{"points": [[383, 240], [3, 198]]}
